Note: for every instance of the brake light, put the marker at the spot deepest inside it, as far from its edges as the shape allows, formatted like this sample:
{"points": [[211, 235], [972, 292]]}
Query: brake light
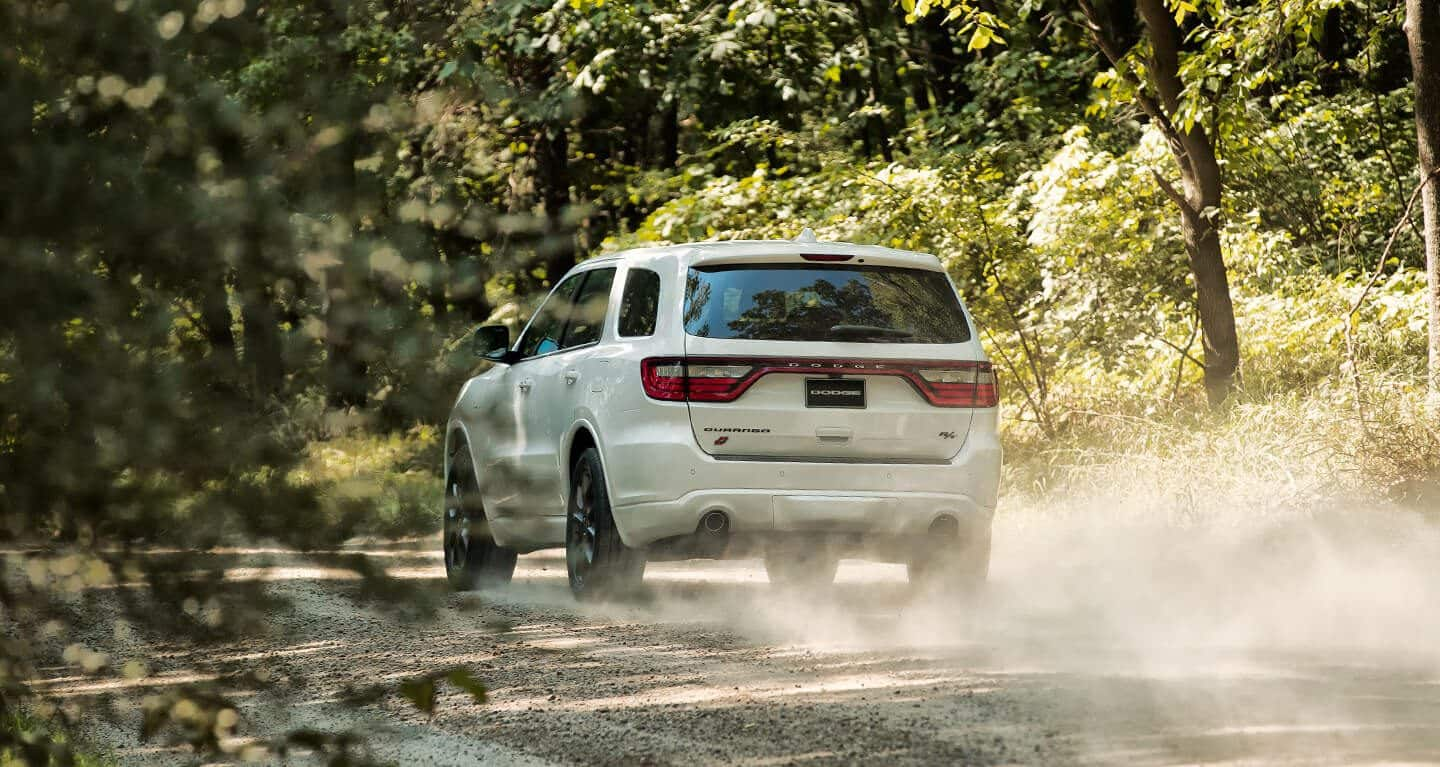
{"points": [[663, 378], [674, 379], [723, 379], [970, 385], [826, 256]]}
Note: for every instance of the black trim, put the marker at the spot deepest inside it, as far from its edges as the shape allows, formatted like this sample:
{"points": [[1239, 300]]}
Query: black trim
{"points": [[557, 351]]}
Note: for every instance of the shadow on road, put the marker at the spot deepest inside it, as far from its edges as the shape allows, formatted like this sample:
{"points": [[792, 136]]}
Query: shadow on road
{"points": [[1065, 659]]}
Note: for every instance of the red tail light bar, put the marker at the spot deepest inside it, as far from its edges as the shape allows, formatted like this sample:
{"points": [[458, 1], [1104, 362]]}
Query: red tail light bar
{"points": [[943, 383]]}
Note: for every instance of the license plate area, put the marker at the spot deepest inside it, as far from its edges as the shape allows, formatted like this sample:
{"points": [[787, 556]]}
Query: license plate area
{"points": [[834, 392]]}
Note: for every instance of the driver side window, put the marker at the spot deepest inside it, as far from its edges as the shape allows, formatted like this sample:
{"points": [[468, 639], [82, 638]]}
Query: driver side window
{"points": [[543, 334]]}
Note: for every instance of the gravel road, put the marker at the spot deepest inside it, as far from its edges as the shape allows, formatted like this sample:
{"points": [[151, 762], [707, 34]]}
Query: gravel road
{"points": [[1292, 642]]}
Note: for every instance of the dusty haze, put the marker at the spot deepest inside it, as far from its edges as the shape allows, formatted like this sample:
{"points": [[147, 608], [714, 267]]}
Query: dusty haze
{"points": [[1105, 637]]}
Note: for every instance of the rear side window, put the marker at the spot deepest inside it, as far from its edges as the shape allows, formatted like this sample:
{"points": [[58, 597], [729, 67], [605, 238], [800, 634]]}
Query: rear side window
{"points": [[640, 303], [587, 319], [799, 302]]}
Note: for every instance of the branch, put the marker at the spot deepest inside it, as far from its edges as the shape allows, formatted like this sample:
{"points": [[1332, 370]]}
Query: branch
{"points": [[1350, 343], [1390, 243], [1185, 353], [1112, 53], [1180, 364], [1173, 193]]}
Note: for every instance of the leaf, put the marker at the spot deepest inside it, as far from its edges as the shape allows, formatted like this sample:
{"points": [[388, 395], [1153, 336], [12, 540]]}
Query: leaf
{"points": [[421, 692], [1184, 8], [980, 39], [447, 70], [467, 682]]}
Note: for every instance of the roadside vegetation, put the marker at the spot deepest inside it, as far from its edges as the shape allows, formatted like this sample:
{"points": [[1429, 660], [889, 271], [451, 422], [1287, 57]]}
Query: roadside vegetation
{"points": [[31, 740], [244, 243]]}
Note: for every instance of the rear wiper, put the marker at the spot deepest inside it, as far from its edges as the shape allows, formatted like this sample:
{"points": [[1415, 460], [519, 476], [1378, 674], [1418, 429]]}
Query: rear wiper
{"points": [[870, 331]]}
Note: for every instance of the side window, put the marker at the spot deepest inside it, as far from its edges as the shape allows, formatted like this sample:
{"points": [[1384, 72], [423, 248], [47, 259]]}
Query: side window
{"points": [[588, 318], [640, 303], [543, 335]]}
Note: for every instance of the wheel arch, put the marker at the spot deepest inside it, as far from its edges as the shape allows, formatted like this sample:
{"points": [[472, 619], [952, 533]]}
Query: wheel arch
{"points": [[582, 435], [455, 436]]}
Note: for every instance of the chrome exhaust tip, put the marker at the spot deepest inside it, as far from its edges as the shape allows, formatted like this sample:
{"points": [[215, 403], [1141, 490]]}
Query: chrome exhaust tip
{"points": [[715, 522], [945, 526]]}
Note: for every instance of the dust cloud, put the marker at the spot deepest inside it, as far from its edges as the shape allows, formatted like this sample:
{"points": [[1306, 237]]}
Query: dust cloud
{"points": [[1085, 587], [1303, 636], [1110, 633]]}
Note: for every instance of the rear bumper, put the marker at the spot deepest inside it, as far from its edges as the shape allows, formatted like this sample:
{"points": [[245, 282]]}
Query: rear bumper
{"points": [[800, 498], [815, 513]]}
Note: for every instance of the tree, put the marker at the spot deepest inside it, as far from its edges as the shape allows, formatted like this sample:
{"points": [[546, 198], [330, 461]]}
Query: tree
{"points": [[1422, 28], [1199, 197], [1152, 76]]}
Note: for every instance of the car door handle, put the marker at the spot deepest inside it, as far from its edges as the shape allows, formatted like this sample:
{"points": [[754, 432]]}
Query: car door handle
{"points": [[525, 385], [571, 376]]}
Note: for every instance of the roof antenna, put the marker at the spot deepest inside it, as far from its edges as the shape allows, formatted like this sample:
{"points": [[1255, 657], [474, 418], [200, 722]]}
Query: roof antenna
{"points": [[806, 235]]}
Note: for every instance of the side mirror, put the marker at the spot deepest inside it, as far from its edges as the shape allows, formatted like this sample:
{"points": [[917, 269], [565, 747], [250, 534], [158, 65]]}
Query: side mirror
{"points": [[491, 342]]}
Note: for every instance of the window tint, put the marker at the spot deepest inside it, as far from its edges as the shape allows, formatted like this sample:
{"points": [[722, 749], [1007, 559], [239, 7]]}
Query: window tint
{"points": [[543, 335], [784, 302], [588, 317], [640, 303]]}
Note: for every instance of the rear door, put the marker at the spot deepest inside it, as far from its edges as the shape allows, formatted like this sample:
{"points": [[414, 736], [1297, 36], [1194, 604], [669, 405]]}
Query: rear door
{"points": [[829, 360], [536, 478]]}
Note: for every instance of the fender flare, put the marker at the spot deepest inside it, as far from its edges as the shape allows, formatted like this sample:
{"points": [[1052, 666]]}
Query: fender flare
{"points": [[455, 428], [586, 422]]}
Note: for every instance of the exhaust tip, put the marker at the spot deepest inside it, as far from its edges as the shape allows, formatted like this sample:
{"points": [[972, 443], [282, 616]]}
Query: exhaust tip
{"points": [[715, 522], [945, 526]]}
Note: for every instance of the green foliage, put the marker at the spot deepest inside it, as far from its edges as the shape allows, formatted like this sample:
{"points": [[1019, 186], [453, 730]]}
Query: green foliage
{"points": [[389, 479], [1075, 271], [244, 243], [28, 741]]}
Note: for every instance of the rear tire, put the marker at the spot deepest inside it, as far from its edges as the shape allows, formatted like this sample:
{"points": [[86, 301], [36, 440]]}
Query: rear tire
{"points": [[599, 564], [472, 558], [947, 562], [808, 570]]}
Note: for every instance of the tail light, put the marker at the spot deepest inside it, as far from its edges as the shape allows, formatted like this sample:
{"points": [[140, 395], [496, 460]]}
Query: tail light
{"points": [[664, 379], [969, 385], [676, 379], [714, 379]]}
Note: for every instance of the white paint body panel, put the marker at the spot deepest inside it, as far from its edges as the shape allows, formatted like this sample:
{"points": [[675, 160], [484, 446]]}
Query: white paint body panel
{"points": [[893, 475]]}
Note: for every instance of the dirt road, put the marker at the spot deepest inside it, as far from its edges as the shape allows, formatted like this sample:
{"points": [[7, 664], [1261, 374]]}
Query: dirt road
{"points": [[1273, 644]]}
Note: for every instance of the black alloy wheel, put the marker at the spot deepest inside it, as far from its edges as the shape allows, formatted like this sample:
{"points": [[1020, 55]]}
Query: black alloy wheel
{"points": [[472, 558], [599, 564]]}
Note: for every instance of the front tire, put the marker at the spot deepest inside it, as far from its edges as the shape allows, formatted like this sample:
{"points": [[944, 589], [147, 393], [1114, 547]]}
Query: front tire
{"points": [[472, 558], [599, 564]]}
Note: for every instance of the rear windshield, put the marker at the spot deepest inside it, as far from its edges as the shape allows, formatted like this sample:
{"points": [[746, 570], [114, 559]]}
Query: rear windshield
{"points": [[799, 302]]}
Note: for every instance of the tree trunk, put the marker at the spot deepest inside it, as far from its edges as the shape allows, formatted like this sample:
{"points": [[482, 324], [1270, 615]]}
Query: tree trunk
{"points": [[346, 372], [263, 354], [875, 125], [947, 70], [552, 182], [670, 134], [1199, 206], [215, 319], [1422, 28], [1212, 298], [464, 280]]}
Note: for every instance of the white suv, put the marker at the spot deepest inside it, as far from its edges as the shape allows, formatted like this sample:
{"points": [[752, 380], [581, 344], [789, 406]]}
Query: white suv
{"points": [[794, 400]]}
